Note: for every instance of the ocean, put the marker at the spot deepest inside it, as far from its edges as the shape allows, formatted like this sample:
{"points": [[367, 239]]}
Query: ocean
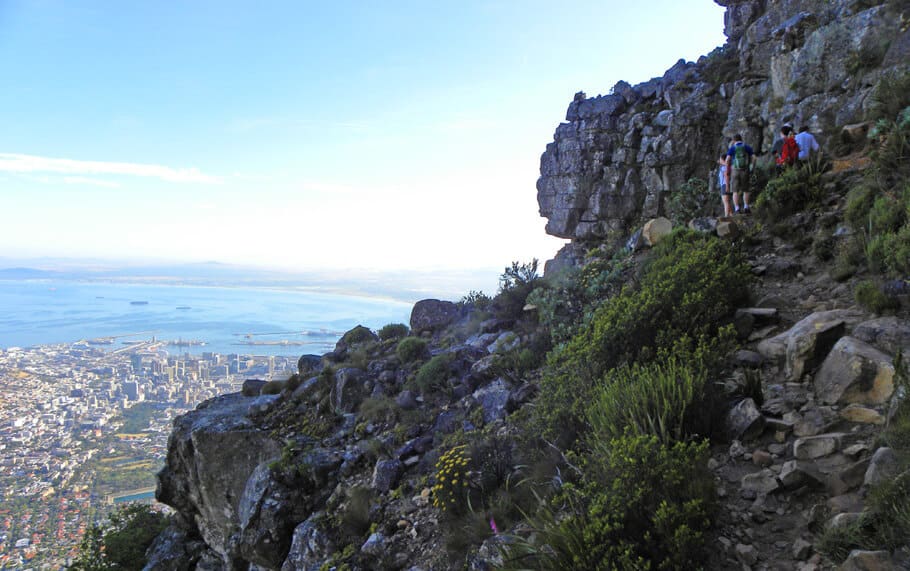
{"points": [[245, 320]]}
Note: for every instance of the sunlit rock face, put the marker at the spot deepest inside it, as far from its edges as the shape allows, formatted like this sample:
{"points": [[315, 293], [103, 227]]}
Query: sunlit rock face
{"points": [[811, 62]]}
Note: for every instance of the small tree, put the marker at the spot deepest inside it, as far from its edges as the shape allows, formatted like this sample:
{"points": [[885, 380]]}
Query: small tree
{"points": [[121, 541]]}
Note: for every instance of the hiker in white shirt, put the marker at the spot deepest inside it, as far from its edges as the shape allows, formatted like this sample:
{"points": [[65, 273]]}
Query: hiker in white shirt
{"points": [[807, 143]]}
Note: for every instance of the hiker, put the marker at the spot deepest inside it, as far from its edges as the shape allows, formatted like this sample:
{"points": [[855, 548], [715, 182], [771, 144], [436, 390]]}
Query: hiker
{"points": [[740, 162], [789, 152], [779, 144], [722, 185], [807, 144]]}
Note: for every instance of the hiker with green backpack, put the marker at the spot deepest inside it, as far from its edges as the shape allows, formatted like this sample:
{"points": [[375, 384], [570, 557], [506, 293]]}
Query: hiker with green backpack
{"points": [[740, 162]]}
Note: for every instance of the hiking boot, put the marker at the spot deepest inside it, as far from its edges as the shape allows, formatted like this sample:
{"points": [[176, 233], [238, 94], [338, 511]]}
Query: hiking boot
{"points": [[747, 210]]}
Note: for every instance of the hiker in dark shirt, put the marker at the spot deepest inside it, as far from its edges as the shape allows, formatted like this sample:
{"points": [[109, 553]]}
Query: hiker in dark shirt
{"points": [[740, 162]]}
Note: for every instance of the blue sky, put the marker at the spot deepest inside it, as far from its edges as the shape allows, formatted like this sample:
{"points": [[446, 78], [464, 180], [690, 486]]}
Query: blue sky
{"points": [[345, 134]]}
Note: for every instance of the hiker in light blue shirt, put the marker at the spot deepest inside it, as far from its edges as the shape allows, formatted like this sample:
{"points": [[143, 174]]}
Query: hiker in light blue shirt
{"points": [[807, 144]]}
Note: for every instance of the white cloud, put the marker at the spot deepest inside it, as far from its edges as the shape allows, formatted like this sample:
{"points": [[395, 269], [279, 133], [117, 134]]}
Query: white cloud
{"points": [[17, 163]]}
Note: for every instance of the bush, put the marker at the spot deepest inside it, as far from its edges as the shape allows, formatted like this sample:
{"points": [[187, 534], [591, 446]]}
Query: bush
{"points": [[393, 331], [272, 388], [871, 297], [411, 349], [378, 409], [122, 541], [667, 399], [568, 300], [451, 477], [477, 299], [688, 289], [515, 284], [358, 335], [689, 201], [643, 505], [433, 375], [794, 190]]}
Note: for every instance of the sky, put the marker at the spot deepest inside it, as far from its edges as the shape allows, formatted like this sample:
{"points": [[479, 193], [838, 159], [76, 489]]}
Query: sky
{"points": [[386, 135]]}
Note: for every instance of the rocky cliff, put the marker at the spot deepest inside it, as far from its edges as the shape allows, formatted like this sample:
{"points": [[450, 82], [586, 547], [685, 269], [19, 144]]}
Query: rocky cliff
{"points": [[350, 463], [808, 62]]}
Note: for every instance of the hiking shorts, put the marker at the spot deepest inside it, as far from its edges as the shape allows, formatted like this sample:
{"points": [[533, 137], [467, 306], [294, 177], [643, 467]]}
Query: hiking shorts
{"points": [[740, 180], [725, 190]]}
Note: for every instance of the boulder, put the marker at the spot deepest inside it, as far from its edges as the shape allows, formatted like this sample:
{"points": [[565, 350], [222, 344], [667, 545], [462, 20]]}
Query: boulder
{"points": [[655, 229], [386, 475], [805, 345], [763, 482], [795, 473], [859, 560], [220, 437], [744, 421], [310, 546], [252, 387], [349, 390], [889, 334], [705, 225], [883, 467], [494, 399], [862, 415], [309, 364], [431, 315], [812, 447], [727, 229], [855, 372]]}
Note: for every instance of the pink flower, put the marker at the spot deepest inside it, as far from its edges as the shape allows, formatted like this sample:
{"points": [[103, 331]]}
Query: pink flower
{"points": [[493, 526]]}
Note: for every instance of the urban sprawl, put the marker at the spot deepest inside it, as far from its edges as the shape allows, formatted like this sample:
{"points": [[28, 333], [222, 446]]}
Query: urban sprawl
{"points": [[83, 428]]}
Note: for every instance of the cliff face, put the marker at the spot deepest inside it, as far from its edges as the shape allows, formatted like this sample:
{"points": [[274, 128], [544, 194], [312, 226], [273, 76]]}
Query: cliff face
{"points": [[811, 62]]}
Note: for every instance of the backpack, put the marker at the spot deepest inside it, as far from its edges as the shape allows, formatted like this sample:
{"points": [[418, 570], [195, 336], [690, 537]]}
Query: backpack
{"points": [[789, 153], [740, 157]]}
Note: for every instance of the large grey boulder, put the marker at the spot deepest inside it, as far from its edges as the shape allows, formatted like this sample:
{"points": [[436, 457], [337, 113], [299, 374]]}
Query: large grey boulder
{"points": [[889, 334], [812, 447], [855, 372], [745, 421], [349, 389], [212, 451], [884, 466], [494, 399], [805, 345], [431, 315], [310, 546]]}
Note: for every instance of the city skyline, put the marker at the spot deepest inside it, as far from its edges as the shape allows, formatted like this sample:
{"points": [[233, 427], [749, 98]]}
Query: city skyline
{"points": [[305, 135]]}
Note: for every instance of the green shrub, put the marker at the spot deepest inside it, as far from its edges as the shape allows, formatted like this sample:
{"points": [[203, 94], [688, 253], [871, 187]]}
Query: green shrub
{"points": [[871, 297], [567, 300], [433, 375], [690, 201], [378, 409], [122, 541], [794, 190], [478, 299], [890, 96], [515, 283], [666, 399], [357, 335], [411, 349], [272, 388], [393, 331], [688, 289], [643, 505]]}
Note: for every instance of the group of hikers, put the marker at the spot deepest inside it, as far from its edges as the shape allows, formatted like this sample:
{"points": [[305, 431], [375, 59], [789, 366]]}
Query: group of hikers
{"points": [[736, 164]]}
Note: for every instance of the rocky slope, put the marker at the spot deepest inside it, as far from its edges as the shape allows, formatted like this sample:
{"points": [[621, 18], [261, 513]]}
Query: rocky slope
{"points": [[335, 468]]}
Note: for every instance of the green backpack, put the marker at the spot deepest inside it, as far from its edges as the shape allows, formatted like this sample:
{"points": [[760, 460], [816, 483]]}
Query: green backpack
{"points": [[740, 157]]}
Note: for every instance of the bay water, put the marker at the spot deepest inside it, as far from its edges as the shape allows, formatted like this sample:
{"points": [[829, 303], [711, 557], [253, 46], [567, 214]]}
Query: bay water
{"points": [[244, 320]]}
